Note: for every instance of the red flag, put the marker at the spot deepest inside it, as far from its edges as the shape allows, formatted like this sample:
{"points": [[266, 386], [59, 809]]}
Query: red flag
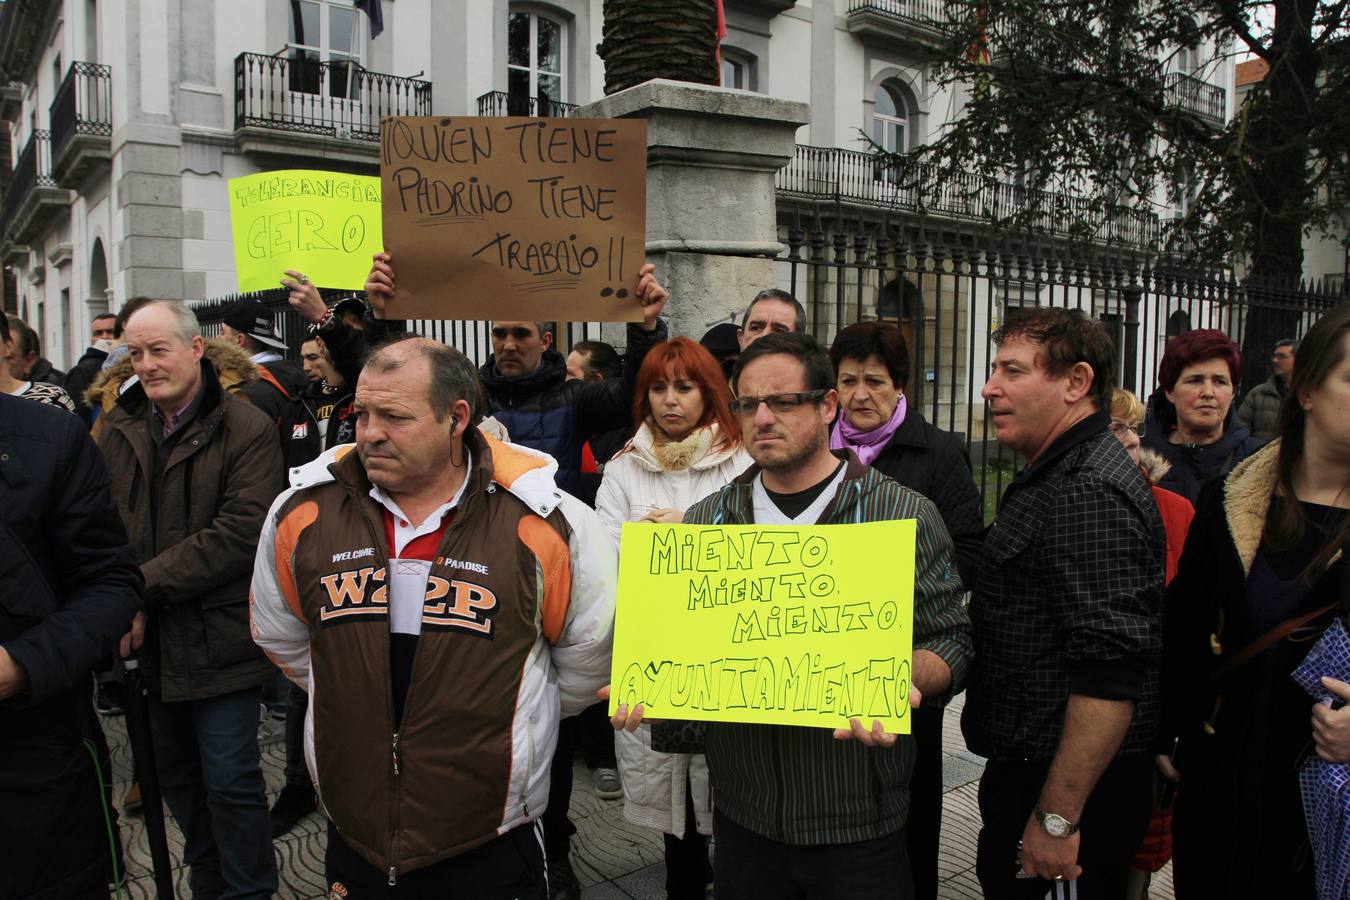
{"points": [[721, 33]]}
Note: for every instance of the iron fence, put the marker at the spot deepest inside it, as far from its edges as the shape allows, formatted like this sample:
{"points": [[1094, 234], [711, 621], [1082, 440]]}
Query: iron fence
{"points": [[337, 99], [500, 103], [83, 104], [32, 170], [472, 338], [855, 176], [948, 290], [1195, 95]]}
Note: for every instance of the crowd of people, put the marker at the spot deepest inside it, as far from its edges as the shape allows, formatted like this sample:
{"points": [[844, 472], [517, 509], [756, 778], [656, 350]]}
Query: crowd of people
{"points": [[413, 561]]}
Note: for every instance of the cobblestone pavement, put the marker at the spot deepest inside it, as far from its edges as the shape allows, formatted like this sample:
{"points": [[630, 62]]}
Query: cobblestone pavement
{"points": [[613, 860]]}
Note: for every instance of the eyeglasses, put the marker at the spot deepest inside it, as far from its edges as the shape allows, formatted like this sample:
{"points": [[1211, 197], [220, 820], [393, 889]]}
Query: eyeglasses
{"points": [[1118, 428], [777, 403], [520, 334]]}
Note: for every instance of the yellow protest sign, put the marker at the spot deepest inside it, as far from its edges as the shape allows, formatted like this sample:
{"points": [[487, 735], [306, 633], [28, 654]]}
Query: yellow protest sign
{"points": [[324, 224], [766, 624]]}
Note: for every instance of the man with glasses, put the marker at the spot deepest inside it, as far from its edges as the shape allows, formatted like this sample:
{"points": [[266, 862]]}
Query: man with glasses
{"points": [[806, 811], [1260, 411]]}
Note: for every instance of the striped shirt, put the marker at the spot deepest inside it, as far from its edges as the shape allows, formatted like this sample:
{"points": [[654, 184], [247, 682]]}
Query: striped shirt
{"points": [[800, 785]]}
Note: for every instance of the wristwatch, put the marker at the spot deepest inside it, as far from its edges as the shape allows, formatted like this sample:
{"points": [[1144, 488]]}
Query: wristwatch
{"points": [[1056, 826]]}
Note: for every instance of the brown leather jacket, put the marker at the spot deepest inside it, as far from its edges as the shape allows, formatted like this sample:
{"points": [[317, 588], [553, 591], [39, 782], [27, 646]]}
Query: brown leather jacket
{"points": [[196, 544]]}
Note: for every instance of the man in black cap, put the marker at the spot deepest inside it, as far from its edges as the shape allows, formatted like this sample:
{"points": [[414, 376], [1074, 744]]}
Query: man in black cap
{"points": [[281, 384]]}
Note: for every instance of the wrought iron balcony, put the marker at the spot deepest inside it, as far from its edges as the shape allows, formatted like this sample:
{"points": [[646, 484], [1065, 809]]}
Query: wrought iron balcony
{"points": [[1195, 95], [33, 197], [918, 23], [853, 176], [81, 117], [500, 103], [324, 99]]}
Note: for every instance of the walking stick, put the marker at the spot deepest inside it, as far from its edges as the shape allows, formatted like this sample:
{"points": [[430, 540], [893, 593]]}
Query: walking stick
{"points": [[143, 755]]}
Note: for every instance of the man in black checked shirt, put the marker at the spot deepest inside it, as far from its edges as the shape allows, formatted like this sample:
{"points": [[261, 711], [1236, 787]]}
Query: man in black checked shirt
{"points": [[1063, 692]]}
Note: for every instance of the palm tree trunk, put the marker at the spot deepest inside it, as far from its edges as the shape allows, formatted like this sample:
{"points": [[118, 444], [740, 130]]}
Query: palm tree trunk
{"points": [[643, 40]]}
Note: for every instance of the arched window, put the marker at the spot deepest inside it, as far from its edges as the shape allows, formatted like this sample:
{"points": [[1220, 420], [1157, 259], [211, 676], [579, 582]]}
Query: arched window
{"points": [[890, 119], [535, 64], [97, 301]]}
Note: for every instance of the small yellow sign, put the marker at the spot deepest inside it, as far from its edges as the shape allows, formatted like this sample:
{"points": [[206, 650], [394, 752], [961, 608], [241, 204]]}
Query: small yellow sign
{"points": [[324, 224], [768, 625]]}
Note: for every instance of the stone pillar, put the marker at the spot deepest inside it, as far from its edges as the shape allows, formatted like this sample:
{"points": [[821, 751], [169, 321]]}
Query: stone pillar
{"points": [[712, 154]]}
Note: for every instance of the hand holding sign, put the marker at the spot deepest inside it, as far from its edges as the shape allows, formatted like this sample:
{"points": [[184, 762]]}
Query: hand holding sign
{"points": [[766, 625], [304, 297], [320, 223], [515, 218]]}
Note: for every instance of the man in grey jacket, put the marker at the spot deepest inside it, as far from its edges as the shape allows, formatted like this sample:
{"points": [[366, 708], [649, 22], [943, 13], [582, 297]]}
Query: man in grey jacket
{"points": [[1260, 410]]}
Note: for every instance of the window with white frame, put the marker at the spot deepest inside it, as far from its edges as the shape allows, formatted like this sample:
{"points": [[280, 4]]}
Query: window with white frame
{"points": [[323, 32], [535, 64], [890, 119], [738, 70]]}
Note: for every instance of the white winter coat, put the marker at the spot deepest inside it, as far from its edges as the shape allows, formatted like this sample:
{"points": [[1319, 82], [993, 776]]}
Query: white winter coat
{"points": [[635, 483]]}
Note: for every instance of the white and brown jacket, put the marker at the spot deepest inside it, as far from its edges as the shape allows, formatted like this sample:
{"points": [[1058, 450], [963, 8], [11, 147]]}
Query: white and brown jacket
{"points": [[517, 621]]}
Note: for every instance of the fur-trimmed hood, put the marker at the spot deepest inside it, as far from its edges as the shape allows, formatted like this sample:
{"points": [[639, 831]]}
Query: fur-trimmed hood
{"points": [[1246, 500], [232, 364], [1153, 465]]}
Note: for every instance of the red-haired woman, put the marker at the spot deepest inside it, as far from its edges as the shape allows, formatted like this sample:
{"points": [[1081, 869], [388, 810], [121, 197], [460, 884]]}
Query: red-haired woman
{"points": [[686, 447], [1194, 424]]}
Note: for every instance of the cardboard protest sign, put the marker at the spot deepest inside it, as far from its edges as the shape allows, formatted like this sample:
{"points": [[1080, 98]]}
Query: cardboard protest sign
{"points": [[324, 224], [766, 624], [515, 218]]}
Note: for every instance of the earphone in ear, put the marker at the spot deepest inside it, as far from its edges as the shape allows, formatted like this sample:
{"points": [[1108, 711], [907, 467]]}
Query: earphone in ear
{"points": [[454, 423]]}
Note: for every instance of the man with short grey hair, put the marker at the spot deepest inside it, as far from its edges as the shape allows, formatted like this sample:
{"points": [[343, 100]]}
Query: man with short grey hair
{"points": [[193, 470], [771, 311]]}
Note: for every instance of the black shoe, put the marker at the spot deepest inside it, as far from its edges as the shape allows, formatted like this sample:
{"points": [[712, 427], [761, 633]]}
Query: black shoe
{"points": [[108, 699], [562, 881], [293, 804]]}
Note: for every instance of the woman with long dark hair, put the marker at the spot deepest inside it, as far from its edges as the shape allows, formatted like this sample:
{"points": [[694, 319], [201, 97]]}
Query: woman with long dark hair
{"points": [[1258, 583], [687, 446]]}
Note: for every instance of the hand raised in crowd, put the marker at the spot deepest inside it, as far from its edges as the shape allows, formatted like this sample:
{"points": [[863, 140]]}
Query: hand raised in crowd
{"points": [[664, 516], [1331, 727], [133, 639], [652, 296], [304, 297], [379, 284], [878, 736]]}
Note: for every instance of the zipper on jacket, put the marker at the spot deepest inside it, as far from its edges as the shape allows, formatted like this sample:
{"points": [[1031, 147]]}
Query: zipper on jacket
{"points": [[393, 833]]}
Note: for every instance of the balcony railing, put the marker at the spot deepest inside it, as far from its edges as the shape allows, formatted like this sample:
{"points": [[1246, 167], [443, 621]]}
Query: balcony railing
{"points": [[1196, 95], [83, 106], [32, 171], [334, 99], [830, 173], [919, 12], [500, 103]]}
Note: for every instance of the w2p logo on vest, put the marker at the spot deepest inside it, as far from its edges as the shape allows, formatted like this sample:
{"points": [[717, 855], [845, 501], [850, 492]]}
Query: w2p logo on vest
{"points": [[446, 605]]}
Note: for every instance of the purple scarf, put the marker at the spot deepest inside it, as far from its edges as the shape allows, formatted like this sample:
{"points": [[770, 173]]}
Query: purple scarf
{"points": [[867, 444]]}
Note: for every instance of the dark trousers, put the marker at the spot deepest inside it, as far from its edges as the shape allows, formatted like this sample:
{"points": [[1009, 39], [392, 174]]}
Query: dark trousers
{"points": [[297, 773], [211, 774], [687, 870], [748, 866], [923, 827], [509, 866], [1113, 823], [595, 736], [558, 829]]}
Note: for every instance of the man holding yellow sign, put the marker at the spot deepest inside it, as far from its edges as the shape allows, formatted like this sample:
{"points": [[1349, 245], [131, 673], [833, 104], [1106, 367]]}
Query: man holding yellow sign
{"points": [[794, 610]]}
